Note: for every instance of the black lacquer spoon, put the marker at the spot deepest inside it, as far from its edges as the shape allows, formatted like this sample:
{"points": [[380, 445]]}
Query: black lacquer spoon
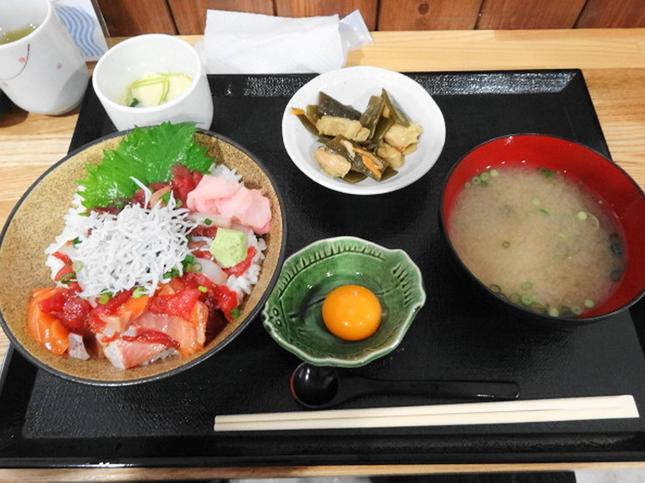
{"points": [[324, 387]]}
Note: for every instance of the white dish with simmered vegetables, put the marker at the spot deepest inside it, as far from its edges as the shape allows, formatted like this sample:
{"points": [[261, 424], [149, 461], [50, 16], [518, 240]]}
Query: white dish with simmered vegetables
{"points": [[363, 130]]}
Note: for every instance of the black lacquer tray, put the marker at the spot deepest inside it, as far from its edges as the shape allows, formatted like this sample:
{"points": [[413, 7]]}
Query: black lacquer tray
{"points": [[46, 421]]}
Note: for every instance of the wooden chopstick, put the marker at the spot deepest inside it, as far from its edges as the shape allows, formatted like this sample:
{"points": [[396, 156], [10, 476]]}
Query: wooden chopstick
{"points": [[503, 412]]}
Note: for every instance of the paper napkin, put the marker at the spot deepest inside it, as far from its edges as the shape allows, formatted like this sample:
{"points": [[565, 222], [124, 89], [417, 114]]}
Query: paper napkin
{"points": [[247, 43]]}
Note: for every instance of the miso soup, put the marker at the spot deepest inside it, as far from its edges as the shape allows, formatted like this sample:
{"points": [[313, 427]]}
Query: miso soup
{"points": [[538, 239]]}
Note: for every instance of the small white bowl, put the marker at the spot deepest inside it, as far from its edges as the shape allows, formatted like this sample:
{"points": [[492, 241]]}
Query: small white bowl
{"points": [[354, 86], [132, 59]]}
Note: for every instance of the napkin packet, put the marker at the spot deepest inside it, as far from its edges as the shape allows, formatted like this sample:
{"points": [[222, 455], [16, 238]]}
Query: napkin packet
{"points": [[247, 43]]}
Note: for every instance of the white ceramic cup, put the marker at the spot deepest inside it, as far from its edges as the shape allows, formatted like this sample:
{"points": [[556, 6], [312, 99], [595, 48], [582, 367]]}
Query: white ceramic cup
{"points": [[43, 72], [151, 54]]}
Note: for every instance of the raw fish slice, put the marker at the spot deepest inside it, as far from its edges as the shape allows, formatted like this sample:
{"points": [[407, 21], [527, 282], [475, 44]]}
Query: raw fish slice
{"points": [[189, 336], [76, 347], [126, 354]]}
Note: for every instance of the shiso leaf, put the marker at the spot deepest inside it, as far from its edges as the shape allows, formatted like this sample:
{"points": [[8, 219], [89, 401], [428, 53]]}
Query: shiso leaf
{"points": [[147, 154]]}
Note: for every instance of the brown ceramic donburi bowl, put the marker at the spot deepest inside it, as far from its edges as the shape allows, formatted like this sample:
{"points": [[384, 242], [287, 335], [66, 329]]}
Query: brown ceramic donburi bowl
{"points": [[38, 218]]}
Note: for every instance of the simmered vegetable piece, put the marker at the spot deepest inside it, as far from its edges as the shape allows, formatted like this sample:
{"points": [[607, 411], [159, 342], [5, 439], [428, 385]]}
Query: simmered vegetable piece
{"points": [[372, 144], [334, 164], [338, 126], [393, 110], [328, 106], [401, 137]]}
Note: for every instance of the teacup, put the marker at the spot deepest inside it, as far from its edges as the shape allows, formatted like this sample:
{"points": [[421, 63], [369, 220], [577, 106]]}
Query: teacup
{"points": [[43, 71]]}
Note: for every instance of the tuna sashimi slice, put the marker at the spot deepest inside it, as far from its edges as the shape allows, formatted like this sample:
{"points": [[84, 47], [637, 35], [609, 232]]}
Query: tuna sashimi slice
{"points": [[126, 354]]}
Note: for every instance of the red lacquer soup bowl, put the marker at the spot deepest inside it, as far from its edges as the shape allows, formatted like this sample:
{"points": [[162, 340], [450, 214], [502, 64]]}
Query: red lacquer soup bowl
{"points": [[619, 193]]}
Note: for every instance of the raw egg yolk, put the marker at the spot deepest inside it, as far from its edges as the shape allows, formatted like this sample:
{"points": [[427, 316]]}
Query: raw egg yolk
{"points": [[352, 312]]}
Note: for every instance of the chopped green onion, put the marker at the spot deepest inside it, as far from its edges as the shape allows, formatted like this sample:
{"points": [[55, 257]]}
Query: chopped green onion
{"points": [[174, 273], [76, 241], [179, 203], [134, 102], [139, 292], [543, 211], [495, 288], [194, 268], [536, 201], [546, 172], [506, 244], [68, 278], [202, 289], [235, 313], [616, 274], [589, 303], [485, 176], [526, 299], [553, 312], [576, 310], [104, 298], [514, 297], [565, 311], [476, 180], [208, 221], [77, 266], [188, 261], [494, 172], [527, 286], [582, 215], [483, 183], [538, 307]]}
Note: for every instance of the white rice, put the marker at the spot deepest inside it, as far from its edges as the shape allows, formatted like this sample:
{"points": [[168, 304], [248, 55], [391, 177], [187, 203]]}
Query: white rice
{"points": [[244, 283], [225, 172]]}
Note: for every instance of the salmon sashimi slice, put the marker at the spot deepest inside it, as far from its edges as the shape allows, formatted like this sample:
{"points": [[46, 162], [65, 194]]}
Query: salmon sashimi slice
{"points": [[189, 334], [44, 328], [125, 314], [125, 354]]}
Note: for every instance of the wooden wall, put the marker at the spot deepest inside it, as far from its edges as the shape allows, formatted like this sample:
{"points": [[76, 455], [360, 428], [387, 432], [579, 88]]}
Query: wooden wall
{"points": [[131, 17]]}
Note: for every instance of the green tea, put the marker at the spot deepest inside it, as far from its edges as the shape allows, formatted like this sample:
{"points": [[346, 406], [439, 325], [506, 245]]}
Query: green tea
{"points": [[13, 35]]}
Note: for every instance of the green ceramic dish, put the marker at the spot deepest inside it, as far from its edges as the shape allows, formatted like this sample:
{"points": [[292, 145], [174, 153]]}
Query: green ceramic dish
{"points": [[293, 316]]}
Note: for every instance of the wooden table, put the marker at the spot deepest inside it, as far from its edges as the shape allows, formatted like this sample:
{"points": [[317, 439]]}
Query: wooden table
{"points": [[613, 63]]}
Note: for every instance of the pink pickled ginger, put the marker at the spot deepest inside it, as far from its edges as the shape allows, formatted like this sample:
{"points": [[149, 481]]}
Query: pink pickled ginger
{"points": [[220, 196]]}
